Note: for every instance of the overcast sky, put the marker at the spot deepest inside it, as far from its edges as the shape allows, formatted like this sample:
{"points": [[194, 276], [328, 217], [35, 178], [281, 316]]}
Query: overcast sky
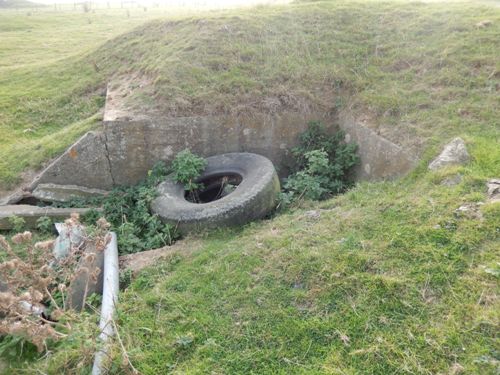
{"points": [[205, 3]]}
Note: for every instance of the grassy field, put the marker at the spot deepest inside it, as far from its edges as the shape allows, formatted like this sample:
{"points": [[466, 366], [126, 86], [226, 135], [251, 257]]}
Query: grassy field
{"points": [[418, 70], [50, 90], [386, 279]]}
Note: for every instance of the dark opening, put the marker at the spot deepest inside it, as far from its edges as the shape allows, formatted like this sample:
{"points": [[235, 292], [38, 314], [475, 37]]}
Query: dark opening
{"points": [[32, 201], [214, 187]]}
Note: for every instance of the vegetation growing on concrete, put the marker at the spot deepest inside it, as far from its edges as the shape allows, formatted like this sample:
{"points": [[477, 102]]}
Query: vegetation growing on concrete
{"points": [[322, 165], [388, 278], [127, 209]]}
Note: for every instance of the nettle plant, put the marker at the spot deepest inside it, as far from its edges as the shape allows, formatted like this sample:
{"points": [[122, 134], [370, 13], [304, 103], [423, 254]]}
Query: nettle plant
{"points": [[187, 167], [322, 165], [127, 209]]}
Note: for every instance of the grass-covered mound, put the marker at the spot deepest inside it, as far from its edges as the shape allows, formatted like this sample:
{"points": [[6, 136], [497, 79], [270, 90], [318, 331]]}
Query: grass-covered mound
{"points": [[415, 70]]}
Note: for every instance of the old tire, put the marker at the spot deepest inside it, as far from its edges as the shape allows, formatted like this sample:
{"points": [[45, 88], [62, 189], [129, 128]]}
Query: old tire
{"points": [[253, 198]]}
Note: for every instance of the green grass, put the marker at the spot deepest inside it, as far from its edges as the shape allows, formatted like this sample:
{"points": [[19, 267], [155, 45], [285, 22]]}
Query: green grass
{"points": [[389, 279], [418, 71], [48, 81]]}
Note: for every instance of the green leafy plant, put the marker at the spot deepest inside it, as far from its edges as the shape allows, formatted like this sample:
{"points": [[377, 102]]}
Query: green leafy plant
{"points": [[44, 224], [127, 210], [186, 168], [94, 300], [322, 165], [17, 223]]}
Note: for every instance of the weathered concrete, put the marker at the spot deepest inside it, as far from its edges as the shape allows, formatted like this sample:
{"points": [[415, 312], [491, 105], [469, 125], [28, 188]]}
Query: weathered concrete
{"points": [[32, 213], [83, 164], [380, 158], [135, 146], [454, 153], [88, 277], [135, 137], [64, 193], [15, 197]]}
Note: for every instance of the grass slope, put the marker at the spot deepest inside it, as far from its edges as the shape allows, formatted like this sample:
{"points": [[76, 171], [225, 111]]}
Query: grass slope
{"points": [[418, 70], [49, 86], [388, 280]]}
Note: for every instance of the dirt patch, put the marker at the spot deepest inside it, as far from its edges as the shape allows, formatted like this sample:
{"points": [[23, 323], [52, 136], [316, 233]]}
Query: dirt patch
{"points": [[138, 261]]}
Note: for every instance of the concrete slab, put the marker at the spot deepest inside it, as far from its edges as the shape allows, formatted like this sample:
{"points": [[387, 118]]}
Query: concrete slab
{"points": [[64, 193], [380, 158], [32, 213], [84, 164]]}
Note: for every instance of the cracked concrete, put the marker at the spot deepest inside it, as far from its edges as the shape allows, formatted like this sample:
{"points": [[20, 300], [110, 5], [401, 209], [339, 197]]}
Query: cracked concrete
{"points": [[82, 164], [106, 155], [129, 144]]}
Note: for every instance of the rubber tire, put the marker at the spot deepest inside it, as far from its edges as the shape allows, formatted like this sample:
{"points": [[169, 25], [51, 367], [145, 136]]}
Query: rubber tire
{"points": [[253, 198]]}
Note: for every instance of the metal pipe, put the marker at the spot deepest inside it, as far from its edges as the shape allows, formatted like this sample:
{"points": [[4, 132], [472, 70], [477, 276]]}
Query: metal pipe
{"points": [[109, 301]]}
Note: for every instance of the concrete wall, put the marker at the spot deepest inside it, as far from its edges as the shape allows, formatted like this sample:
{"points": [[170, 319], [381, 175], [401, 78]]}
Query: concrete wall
{"points": [[85, 164], [134, 146], [123, 152], [380, 159]]}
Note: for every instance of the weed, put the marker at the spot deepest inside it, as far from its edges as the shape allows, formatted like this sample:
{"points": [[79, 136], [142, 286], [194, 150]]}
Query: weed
{"points": [[45, 225], [33, 304], [17, 223], [322, 165], [128, 208], [186, 168]]}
